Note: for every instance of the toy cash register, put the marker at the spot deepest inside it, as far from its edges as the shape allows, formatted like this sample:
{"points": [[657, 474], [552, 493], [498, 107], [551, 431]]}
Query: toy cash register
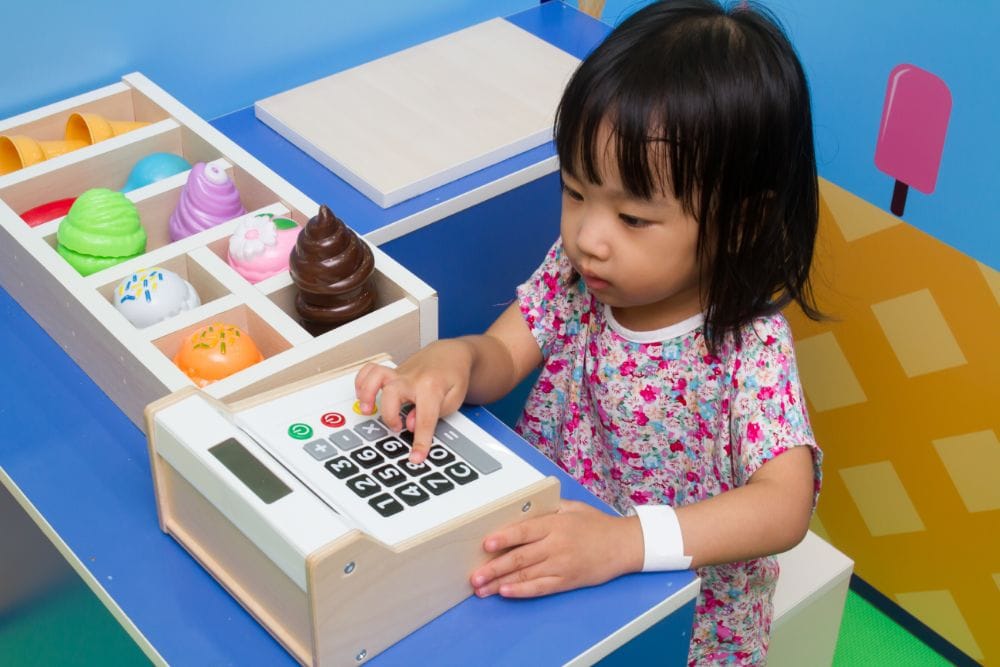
{"points": [[309, 513]]}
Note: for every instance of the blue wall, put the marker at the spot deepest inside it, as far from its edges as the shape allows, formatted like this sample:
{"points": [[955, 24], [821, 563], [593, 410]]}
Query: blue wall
{"points": [[215, 56], [848, 49]]}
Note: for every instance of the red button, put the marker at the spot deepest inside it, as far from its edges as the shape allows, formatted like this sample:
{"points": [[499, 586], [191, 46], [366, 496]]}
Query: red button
{"points": [[333, 419]]}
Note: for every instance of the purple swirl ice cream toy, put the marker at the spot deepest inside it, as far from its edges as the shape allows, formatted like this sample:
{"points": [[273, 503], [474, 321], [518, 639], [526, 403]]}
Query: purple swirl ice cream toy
{"points": [[209, 198]]}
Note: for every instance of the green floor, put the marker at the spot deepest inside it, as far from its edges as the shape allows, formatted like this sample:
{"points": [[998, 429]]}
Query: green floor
{"points": [[73, 628]]}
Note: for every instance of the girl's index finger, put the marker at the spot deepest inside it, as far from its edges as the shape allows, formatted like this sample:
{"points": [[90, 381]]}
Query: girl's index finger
{"points": [[422, 422]]}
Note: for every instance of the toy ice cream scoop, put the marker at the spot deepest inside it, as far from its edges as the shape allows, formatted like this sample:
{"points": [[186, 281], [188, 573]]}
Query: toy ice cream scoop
{"points": [[101, 229], [911, 135], [333, 270], [215, 352], [152, 295], [209, 198], [155, 167], [260, 246]]}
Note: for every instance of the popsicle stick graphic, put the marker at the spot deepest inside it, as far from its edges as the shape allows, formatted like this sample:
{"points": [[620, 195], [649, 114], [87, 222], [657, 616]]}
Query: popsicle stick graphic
{"points": [[911, 136]]}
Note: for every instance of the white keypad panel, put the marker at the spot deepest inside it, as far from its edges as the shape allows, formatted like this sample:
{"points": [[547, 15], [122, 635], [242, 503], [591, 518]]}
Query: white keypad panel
{"points": [[357, 465]]}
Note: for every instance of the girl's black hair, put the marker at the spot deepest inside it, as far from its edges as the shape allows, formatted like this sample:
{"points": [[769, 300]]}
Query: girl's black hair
{"points": [[712, 105]]}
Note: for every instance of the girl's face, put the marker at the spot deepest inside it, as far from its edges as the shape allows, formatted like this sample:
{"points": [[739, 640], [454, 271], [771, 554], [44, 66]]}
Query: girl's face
{"points": [[638, 256]]}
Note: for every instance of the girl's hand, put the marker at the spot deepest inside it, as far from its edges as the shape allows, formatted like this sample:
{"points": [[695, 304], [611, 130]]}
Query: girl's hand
{"points": [[575, 547], [435, 380]]}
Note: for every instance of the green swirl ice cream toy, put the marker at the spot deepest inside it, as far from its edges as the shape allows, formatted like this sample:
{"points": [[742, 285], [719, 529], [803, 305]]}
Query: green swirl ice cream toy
{"points": [[101, 229]]}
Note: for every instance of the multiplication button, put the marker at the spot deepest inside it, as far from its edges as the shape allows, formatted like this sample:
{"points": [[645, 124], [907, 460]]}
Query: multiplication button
{"points": [[461, 473], [412, 494], [436, 483], [341, 467], [386, 505], [320, 450], [371, 430], [392, 448]]}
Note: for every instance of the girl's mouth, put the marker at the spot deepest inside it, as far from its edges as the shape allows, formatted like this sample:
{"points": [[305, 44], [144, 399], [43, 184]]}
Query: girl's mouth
{"points": [[594, 283]]}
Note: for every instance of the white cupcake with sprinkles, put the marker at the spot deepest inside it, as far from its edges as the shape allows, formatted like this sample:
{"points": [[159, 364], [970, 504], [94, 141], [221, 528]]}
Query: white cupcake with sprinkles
{"points": [[152, 295]]}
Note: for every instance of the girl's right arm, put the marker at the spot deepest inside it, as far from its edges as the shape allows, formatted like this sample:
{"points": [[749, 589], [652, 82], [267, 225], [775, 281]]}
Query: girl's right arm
{"points": [[446, 373]]}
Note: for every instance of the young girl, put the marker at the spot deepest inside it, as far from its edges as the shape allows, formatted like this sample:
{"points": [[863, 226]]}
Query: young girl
{"points": [[668, 384]]}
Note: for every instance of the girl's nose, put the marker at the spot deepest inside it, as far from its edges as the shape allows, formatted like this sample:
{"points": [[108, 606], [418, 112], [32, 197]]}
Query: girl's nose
{"points": [[592, 237]]}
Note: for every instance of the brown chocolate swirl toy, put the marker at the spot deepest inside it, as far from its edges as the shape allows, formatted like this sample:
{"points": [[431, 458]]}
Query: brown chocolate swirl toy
{"points": [[333, 270]]}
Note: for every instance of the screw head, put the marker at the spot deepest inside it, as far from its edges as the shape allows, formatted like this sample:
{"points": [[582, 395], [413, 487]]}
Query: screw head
{"points": [[361, 655], [349, 568], [526, 506]]}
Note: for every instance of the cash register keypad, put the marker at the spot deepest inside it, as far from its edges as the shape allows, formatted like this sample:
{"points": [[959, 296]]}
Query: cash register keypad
{"points": [[372, 462]]}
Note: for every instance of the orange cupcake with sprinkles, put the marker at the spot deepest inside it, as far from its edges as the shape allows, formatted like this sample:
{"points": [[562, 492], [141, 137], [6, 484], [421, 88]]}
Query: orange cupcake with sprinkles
{"points": [[215, 352]]}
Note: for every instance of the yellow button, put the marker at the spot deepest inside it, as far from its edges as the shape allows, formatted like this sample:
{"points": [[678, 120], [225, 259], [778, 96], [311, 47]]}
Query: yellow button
{"points": [[357, 409]]}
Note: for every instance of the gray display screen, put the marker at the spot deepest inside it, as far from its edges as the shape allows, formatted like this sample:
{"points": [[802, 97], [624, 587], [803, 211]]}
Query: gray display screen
{"points": [[251, 472]]}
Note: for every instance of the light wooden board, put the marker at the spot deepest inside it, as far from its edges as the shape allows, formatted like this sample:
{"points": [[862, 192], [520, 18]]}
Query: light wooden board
{"points": [[399, 126]]}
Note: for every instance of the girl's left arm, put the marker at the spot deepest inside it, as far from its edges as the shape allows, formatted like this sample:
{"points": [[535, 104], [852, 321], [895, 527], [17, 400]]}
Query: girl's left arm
{"points": [[581, 546]]}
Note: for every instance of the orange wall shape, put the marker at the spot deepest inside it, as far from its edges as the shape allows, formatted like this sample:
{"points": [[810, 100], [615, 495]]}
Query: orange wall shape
{"points": [[903, 387]]}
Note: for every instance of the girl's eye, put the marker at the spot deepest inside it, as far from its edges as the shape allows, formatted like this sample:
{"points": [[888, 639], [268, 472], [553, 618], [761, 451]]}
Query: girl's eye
{"points": [[570, 192], [631, 221]]}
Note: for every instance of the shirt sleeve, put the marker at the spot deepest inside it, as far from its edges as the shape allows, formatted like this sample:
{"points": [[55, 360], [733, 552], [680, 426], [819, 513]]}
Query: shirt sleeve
{"points": [[550, 301], [768, 413]]}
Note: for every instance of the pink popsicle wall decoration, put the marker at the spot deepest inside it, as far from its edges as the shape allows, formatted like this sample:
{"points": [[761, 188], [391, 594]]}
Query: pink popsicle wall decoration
{"points": [[912, 132]]}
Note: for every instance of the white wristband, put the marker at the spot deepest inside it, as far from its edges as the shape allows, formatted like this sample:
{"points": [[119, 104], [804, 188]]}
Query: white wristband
{"points": [[662, 539]]}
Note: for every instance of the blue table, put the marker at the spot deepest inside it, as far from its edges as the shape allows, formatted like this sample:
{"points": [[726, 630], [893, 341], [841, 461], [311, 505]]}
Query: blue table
{"points": [[79, 467]]}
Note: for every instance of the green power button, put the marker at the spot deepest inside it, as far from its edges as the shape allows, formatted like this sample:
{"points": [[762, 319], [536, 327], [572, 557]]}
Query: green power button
{"points": [[300, 431]]}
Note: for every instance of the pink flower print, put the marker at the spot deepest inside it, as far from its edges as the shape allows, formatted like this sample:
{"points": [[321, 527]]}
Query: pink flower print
{"points": [[711, 359], [676, 446], [592, 349], [770, 340], [649, 393], [640, 417], [585, 318], [766, 393], [724, 633], [692, 476], [641, 497], [680, 385], [616, 474], [588, 472], [753, 432], [551, 281], [545, 385], [627, 367], [671, 493], [556, 365]]}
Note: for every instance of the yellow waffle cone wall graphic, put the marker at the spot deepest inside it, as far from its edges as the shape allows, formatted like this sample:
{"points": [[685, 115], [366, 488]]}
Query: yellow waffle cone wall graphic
{"points": [[903, 385]]}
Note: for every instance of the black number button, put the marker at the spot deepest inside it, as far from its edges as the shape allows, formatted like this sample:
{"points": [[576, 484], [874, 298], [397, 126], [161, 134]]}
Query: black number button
{"points": [[461, 473], [341, 467], [389, 475], [436, 483], [440, 456], [392, 448], [367, 457], [386, 505], [414, 469], [412, 494], [363, 485]]}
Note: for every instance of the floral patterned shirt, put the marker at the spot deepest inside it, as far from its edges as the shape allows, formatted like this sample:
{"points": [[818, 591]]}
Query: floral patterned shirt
{"points": [[653, 418]]}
